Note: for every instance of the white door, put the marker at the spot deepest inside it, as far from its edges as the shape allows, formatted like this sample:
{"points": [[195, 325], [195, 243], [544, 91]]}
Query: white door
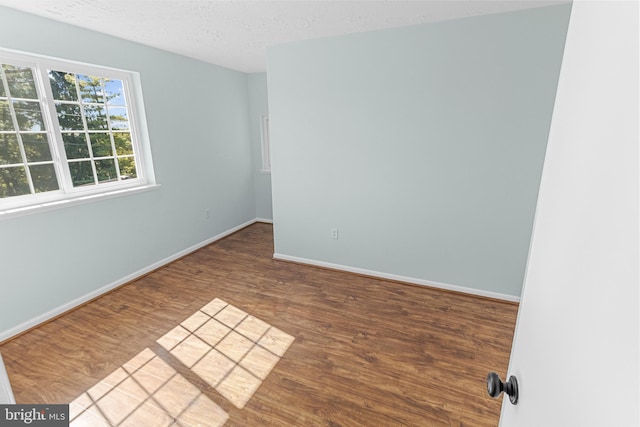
{"points": [[575, 351]]}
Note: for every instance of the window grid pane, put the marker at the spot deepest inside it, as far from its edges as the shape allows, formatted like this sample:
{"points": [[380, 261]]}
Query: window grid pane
{"points": [[25, 153], [13, 182], [44, 177], [9, 149], [66, 130], [82, 173], [95, 107], [91, 89], [75, 145], [127, 167], [36, 147], [21, 82], [63, 86]]}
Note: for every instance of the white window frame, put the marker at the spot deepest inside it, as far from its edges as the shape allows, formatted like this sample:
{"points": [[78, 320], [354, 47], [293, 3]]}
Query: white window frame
{"points": [[265, 144], [68, 194]]}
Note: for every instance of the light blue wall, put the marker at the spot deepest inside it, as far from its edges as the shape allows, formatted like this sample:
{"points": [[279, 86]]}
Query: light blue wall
{"points": [[198, 120], [258, 107], [423, 146]]}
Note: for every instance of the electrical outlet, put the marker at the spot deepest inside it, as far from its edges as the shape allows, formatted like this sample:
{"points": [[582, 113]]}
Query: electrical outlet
{"points": [[334, 233]]}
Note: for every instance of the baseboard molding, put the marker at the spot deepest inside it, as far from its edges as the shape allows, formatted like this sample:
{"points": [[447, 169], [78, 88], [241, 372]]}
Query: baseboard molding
{"points": [[38, 320], [397, 278], [265, 220]]}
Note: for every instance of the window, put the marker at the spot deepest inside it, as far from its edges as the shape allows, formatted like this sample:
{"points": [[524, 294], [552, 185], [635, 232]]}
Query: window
{"points": [[67, 130], [266, 149]]}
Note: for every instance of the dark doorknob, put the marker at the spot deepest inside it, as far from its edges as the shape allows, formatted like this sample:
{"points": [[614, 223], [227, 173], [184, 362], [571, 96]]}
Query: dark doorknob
{"points": [[495, 387]]}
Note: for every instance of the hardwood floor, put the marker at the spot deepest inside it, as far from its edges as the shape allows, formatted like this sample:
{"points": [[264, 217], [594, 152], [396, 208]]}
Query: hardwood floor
{"points": [[366, 352]]}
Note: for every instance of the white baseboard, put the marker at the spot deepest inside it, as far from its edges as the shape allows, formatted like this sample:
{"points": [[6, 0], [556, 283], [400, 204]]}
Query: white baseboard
{"points": [[411, 280], [265, 220], [4, 335]]}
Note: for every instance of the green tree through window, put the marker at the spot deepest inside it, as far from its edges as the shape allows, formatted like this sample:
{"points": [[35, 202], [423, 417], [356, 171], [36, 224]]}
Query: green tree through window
{"points": [[26, 164], [94, 120], [63, 130]]}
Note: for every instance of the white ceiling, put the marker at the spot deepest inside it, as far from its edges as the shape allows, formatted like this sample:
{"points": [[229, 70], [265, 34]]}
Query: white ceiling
{"points": [[235, 33]]}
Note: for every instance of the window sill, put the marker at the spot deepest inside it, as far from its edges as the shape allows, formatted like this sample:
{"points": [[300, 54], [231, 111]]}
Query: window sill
{"points": [[58, 204]]}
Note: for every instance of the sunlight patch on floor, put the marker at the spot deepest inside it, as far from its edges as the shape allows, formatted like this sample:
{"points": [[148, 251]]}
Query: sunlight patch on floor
{"points": [[230, 350], [145, 391]]}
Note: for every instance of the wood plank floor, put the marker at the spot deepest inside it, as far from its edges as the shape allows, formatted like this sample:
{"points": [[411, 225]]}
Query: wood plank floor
{"points": [[367, 352]]}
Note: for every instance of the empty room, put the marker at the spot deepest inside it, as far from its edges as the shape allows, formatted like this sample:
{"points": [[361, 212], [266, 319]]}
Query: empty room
{"points": [[319, 213]]}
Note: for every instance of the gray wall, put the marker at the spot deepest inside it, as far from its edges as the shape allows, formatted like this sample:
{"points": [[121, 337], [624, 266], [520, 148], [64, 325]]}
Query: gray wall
{"points": [[423, 146], [198, 120], [258, 107]]}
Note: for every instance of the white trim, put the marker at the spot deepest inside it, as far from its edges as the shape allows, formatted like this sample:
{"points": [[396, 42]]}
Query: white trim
{"points": [[4, 335], [265, 220], [85, 68], [412, 280], [74, 201], [134, 106], [265, 144], [6, 393]]}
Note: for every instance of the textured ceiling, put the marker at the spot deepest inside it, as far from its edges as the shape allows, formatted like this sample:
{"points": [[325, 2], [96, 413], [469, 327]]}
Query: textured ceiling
{"points": [[235, 33]]}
